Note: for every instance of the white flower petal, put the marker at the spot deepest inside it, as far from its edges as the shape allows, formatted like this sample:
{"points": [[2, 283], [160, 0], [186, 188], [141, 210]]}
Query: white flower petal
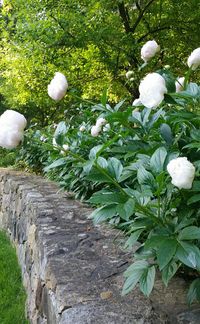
{"points": [[58, 87], [182, 172], [152, 89], [95, 130], [194, 59], [179, 84], [149, 50], [100, 122]]}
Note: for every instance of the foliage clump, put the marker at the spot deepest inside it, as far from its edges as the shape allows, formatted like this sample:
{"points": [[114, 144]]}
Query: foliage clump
{"points": [[140, 168]]}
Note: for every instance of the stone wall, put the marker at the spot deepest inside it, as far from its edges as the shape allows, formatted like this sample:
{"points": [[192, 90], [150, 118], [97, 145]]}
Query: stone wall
{"points": [[72, 271]]}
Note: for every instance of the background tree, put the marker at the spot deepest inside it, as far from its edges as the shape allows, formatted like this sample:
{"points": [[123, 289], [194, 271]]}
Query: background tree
{"points": [[93, 43]]}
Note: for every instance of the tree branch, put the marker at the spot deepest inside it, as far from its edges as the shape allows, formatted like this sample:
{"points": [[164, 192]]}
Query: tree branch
{"points": [[141, 14], [153, 31], [125, 18]]}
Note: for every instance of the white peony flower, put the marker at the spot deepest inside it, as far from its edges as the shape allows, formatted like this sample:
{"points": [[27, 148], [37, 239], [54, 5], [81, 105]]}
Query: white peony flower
{"points": [[57, 87], [180, 84], [95, 130], [152, 89], [149, 50], [194, 59], [12, 118], [82, 128], [12, 125], [182, 172], [100, 122], [129, 74], [10, 138]]}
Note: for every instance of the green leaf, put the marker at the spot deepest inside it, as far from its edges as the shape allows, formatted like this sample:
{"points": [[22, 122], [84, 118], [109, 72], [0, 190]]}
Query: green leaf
{"points": [[97, 176], [158, 159], [154, 241], [193, 90], [166, 251], [60, 133], [147, 280], [195, 186], [190, 233], [132, 281], [136, 266], [155, 117], [169, 80], [194, 291], [102, 162], [115, 168], [133, 275], [55, 164], [133, 239], [87, 166], [189, 254], [119, 105], [169, 271], [166, 133], [169, 99], [126, 209], [193, 199], [103, 213], [120, 116], [142, 253], [94, 151], [145, 177], [107, 197]]}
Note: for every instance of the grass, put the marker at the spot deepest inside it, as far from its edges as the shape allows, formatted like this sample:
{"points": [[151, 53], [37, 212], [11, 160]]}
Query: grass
{"points": [[12, 294]]}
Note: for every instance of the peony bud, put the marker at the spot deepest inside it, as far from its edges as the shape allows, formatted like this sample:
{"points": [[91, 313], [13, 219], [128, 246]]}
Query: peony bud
{"points": [[194, 59], [54, 142], [182, 172], [43, 138], [149, 50], [57, 87], [95, 130], [100, 122], [66, 147], [152, 89], [180, 84], [129, 74], [82, 128]]}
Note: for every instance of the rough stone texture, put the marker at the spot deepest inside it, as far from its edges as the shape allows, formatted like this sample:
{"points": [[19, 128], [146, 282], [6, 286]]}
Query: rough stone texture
{"points": [[72, 271]]}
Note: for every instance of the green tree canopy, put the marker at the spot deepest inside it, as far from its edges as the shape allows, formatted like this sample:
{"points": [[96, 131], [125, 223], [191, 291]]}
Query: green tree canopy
{"points": [[92, 42]]}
